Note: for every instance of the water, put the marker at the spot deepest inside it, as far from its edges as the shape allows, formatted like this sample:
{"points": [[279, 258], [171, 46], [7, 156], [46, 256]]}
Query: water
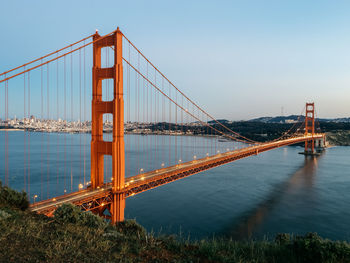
{"points": [[257, 197]]}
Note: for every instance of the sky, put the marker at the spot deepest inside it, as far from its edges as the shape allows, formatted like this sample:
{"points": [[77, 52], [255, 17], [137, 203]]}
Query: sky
{"points": [[237, 59]]}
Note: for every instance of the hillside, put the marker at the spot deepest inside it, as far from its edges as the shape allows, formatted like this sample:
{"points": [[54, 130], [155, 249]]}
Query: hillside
{"points": [[76, 236], [294, 118], [338, 138]]}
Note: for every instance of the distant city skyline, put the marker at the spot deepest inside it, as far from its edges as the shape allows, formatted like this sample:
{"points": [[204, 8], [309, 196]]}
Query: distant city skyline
{"points": [[237, 60]]}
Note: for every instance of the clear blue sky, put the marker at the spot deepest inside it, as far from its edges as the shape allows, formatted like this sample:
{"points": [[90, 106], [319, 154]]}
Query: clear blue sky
{"points": [[237, 59]]}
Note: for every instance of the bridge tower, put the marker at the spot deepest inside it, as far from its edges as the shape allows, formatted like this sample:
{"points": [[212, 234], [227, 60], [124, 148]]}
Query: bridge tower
{"points": [[99, 147], [310, 127]]}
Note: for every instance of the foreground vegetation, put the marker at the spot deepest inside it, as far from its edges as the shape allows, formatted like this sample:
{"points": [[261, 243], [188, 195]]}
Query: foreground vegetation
{"points": [[76, 236]]}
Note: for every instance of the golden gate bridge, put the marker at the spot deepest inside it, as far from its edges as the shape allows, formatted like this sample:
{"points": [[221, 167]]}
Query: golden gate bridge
{"points": [[129, 95]]}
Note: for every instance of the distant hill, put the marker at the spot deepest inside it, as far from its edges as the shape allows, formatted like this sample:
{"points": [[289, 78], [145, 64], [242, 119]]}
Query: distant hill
{"points": [[279, 119], [294, 118], [221, 121]]}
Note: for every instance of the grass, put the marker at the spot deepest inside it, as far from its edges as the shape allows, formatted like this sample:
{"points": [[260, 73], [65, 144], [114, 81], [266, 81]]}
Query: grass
{"points": [[76, 236]]}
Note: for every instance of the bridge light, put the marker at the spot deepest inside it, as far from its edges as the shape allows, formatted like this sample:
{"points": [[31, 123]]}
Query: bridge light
{"points": [[218, 151], [53, 199], [207, 154], [141, 170], [142, 178], [227, 149], [81, 186], [34, 197], [162, 164], [65, 191], [103, 204], [195, 157], [132, 181], [180, 161]]}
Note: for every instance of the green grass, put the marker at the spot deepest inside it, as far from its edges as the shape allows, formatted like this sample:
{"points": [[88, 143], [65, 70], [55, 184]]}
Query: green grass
{"points": [[76, 236]]}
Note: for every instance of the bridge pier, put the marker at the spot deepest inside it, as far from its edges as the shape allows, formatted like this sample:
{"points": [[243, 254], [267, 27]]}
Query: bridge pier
{"points": [[319, 147], [117, 208], [320, 144]]}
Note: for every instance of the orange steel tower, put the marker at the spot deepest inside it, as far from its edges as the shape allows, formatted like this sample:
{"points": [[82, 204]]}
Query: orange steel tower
{"points": [[99, 147], [310, 127]]}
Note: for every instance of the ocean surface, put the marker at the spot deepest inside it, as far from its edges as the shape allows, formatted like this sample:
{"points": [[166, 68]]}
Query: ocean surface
{"points": [[257, 197]]}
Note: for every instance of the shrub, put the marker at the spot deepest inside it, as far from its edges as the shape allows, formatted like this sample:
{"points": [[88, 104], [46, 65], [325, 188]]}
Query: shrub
{"points": [[131, 229], [12, 198], [312, 248], [91, 220], [69, 213], [4, 214], [283, 238]]}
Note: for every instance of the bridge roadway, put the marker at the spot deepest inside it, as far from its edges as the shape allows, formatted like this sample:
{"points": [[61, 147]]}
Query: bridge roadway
{"points": [[92, 199]]}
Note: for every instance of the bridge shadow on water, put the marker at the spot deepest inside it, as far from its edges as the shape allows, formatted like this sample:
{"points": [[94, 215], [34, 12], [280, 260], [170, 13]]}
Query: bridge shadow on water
{"points": [[246, 224]]}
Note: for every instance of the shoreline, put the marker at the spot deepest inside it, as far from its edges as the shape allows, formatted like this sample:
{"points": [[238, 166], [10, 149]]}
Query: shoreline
{"points": [[12, 129], [330, 138]]}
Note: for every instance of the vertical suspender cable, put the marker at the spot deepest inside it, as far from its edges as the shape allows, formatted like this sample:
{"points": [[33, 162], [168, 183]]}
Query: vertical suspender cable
{"points": [[58, 116], [169, 164], [182, 128], [176, 127], [163, 123], [144, 121], [28, 159], [48, 135], [147, 116], [72, 121], [65, 123], [155, 118], [80, 134], [24, 133], [6, 135], [136, 164], [128, 114], [138, 108], [42, 133], [84, 51]]}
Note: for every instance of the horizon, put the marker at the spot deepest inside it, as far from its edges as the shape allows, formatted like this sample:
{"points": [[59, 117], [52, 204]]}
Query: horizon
{"points": [[217, 119]]}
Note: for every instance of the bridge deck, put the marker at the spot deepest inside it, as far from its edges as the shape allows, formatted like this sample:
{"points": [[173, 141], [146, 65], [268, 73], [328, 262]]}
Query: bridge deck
{"points": [[90, 199]]}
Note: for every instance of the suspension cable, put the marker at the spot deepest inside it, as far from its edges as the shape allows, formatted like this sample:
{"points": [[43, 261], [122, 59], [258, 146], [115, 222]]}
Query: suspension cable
{"points": [[35, 60], [247, 139], [58, 57]]}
